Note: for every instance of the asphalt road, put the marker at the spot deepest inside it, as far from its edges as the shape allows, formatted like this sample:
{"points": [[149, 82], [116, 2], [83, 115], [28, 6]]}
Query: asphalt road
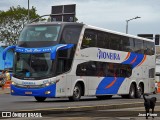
{"points": [[89, 108], [111, 114], [19, 103]]}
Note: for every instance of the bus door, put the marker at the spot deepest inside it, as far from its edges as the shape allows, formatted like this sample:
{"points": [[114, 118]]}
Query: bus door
{"points": [[63, 66]]}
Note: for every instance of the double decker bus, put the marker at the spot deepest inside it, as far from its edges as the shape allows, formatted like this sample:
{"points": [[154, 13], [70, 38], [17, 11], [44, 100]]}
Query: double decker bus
{"points": [[67, 59]]}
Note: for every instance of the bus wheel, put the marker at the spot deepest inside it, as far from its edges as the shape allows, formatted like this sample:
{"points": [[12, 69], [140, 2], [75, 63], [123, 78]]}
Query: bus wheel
{"points": [[132, 92], [40, 99], [139, 91], [124, 96], [103, 97], [77, 92]]}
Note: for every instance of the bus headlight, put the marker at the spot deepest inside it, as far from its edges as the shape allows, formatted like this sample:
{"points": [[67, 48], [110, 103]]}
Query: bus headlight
{"points": [[48, 92], [47, 84], [13, 83], [50, 83]]}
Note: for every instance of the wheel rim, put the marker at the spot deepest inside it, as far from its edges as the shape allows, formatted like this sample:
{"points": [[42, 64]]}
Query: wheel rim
{"points": [[76, 92], [140, 90], [132, 93]]}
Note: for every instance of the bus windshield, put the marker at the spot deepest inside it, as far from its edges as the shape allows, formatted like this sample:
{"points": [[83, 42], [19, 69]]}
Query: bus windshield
{"points": [[40, 33], [34, 66]]}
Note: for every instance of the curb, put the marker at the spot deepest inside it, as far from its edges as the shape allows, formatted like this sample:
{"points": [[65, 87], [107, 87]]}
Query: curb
{"points": [[5, 91], [88, 108]]}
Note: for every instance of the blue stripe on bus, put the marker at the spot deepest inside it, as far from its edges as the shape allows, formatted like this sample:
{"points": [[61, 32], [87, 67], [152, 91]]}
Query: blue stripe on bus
{"points": [[40, 92], [111, 90], [130, 59], [138, 60], [51, 49], [134, 59]]}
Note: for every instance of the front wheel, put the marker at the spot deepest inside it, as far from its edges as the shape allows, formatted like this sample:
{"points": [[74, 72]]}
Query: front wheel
{"points": [[40, 99], [77, 92]]}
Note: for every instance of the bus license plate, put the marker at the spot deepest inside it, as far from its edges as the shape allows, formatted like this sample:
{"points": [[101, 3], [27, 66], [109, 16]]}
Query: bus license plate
{"points": [[28, 93]]}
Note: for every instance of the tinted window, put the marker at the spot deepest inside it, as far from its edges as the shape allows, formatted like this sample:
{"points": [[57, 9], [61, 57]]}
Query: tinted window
{"points": [[71, 35], [40, 33], [139, 46], [64, 60], [103, 69], [151, 73], [89, 39], [35, 66], [101, 43], [149, 48], [127, 44], [115, 41], [100, 39]]}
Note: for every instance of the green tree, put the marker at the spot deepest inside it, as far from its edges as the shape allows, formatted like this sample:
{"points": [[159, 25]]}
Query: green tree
{"points": [[12, 22]]}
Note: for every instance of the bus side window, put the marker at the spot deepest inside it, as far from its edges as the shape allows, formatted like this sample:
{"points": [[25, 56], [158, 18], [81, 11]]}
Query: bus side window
{"points": [[127, 44], [81, 69], [89, 39], [101, 43], [151, 47], [114, 41], [139, 46], [70, 35]]}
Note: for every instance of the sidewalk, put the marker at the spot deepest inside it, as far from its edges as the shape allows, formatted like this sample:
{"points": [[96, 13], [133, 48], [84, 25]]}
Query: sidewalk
{"points": [[5, 91]]}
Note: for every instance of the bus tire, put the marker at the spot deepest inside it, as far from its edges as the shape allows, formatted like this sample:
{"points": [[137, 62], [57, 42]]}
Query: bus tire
{"points": [[139, 91], [40, 99], [77, 92], [124, 96], [103, 97], [132, 92]]}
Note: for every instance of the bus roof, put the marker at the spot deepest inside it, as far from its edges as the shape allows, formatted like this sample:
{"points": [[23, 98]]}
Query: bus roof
{"points": [[55, 23]]}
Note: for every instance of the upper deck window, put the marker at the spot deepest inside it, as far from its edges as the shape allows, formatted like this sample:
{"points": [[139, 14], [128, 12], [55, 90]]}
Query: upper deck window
{"points": [[40, 33], [71, 34]]}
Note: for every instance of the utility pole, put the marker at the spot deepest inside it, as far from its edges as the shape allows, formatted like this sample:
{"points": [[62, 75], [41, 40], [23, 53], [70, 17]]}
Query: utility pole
{"points": [[28, 11]]}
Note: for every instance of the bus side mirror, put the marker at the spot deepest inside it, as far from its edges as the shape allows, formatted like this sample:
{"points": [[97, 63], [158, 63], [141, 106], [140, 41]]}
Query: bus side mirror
{"points": [[7, 49]]}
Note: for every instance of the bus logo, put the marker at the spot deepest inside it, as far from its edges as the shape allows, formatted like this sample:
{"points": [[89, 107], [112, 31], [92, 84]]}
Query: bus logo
{"points": [[107, 55]]}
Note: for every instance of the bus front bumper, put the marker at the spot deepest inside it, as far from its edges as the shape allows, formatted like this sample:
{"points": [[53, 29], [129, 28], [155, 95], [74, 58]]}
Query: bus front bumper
{"points": [[48, 91]]}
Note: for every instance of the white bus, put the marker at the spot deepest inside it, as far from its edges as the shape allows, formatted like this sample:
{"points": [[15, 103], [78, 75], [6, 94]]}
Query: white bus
{"points": [[59, 59]]}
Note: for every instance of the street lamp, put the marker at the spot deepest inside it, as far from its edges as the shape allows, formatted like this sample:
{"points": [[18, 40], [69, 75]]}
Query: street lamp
{"points": [[128, 21], [28, 11]]}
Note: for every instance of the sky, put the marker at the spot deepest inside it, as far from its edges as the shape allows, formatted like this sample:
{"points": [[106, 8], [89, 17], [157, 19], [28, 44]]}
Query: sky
{"points": [[108, 14]]}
